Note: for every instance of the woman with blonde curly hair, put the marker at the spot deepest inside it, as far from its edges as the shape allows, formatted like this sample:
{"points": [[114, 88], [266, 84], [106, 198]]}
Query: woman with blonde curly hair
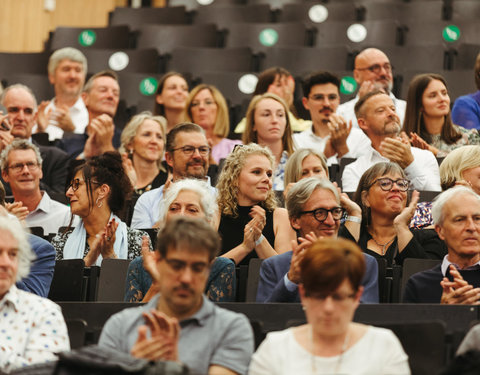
{"points": [[246, 200], [207, 107], [268, 125]]}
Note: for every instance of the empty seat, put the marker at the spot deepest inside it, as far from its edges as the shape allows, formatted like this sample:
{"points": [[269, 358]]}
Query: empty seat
{"points": [[67, 283], [136, 17], [95, 37], [111, 283], [464, 56], [262, 36], [167, 37], [274, 4], [200, 60], [313, 12], [223, 16], [253, 279], [418, 32], [39, 84], [132, 61], [428, 58], [31, 63], [303, 60], [401, 11], [135, 87], [465, 10], [197, 4]]}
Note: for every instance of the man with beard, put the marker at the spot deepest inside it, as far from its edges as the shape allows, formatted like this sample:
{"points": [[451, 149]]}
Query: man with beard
{"points": [[187, 155], [329, 133], [66, 112], [376, 116], [372, 71]]}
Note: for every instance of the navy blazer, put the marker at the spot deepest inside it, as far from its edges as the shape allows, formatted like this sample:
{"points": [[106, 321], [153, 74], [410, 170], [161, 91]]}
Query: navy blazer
{"points": [[271, 287]]}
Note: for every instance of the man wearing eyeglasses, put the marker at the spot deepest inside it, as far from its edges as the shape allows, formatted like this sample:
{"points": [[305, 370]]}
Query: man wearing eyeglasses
{"points": [[315, 209], [187, 155], [377, 118], [17, 123], [21, 165], [372, 71], [180, 323], [330, 133]]}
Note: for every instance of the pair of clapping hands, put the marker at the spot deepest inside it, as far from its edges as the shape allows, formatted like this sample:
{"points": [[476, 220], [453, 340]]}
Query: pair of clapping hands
{"points": [[458, 291]]}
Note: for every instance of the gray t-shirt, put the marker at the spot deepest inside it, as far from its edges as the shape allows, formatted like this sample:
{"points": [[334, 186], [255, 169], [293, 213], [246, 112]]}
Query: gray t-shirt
{"points": [[212, 336]]}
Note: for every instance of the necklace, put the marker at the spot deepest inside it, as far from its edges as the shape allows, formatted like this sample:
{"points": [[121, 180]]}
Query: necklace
{"points": [[340, 357], [383, 246]]}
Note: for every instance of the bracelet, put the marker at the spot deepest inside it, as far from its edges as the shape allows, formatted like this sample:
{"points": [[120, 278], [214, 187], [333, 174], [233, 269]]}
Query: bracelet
{"points": [[260, 239], [354, 219]]}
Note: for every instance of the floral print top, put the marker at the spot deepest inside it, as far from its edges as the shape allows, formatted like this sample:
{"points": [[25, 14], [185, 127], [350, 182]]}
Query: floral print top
{"points": [[469, 137]]}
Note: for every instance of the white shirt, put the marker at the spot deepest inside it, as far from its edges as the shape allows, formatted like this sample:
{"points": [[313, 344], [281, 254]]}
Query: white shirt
{"points": [[78, 114], [357, 142], [347, 109], [32, 329], [378, 352], [50, 215], [423, 172]]}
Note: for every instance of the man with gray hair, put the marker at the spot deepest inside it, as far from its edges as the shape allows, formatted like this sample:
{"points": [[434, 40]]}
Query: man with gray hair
{"points": [[43, 330], [456, 214], [315, 209], [66, 112]]}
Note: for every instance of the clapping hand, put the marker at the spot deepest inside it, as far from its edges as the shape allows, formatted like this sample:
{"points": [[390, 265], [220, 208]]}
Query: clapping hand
{"points": [[458, 291]]}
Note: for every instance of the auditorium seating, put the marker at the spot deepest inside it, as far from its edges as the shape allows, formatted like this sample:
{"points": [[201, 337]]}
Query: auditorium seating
{"points": [[134, 18], [94, 37], [223, 16]]}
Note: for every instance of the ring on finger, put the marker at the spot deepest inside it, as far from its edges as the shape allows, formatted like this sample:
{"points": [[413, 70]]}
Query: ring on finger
{"points": [[108, 238]]}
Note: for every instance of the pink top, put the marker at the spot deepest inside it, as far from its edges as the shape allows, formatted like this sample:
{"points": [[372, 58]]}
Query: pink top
{"points": [[223, 148]]}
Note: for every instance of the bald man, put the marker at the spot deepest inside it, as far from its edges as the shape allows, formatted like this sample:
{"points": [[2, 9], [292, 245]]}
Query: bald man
{"points": [[373, 71]]}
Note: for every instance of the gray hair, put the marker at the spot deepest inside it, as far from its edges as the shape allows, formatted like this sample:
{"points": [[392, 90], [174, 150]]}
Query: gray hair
{"points": [[18, 144], [301, 192], [67, 53], [293, 168], [25, 253], [206, 197], [440, 200], [19, 86]]}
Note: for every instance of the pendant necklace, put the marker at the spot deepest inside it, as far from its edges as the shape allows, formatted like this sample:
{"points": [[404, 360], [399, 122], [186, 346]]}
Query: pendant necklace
{"points": [[383, 246]]}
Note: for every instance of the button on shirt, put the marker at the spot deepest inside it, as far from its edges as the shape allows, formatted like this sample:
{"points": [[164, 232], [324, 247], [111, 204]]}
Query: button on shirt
{"points": [[32, 329]]}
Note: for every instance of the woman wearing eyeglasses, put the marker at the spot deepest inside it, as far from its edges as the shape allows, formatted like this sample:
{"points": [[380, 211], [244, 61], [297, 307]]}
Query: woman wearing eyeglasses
{"points": [[97, 194], [331, 343], [207, 107], [384, 233], [251, 225]]}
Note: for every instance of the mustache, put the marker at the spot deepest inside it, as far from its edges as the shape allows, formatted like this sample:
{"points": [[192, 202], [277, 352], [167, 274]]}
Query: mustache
{"points": [[183, 288]]}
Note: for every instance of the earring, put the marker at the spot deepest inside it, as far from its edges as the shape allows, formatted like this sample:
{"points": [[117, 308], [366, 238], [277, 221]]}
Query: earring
{"points": [[304, 308], [98, 202], [130, 151]]}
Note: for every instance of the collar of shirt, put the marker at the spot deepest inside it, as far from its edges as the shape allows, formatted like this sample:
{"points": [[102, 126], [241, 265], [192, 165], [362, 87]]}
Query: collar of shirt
{"points": [[446, 263], [11, 297], [44, 204]]}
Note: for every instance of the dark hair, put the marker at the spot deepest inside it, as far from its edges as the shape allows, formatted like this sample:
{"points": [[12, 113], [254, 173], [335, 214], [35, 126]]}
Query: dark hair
{"points": [[366, 181], [107, 169], [328, 262], [159, 109], [186, 127], [2, 194], [414, 115], [319, 78], [267, 77], [467, 363], [195, 234], [363, 99]]}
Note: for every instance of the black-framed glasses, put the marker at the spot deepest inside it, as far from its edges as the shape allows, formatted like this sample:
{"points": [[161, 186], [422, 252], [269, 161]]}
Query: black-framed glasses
{"points": [[180, 266], [386, 183], [321, 214], [18, 167], [377, 68], [190, 150], [336, 297], [76, 182]]}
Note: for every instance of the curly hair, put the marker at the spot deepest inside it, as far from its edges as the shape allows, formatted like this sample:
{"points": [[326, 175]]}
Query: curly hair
{"points": [[227, 185]]}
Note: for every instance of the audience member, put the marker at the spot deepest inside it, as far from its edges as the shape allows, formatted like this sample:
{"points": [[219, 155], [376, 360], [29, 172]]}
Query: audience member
{"points": [[187, 155], [42, 211], [101, 96], [97, 194], [21, 107], [329, 133], [427, 120], [187, 197], [268, 125], [471, 341], [278, 81], [315, 208], [466, 109], [66, 112], [457, 279], [180, 323], [32, 329], [384, 233], [331, 272], [251, 225], [376, 116], [207, 107], [372, 72], [171, 98]]}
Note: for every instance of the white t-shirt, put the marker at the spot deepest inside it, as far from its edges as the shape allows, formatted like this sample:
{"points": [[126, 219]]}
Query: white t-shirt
{"points": [[378, 352]]}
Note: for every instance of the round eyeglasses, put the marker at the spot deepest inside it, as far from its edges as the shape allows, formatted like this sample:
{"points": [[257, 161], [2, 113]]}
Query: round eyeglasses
{"points": [[386, 184], [321, 214]]}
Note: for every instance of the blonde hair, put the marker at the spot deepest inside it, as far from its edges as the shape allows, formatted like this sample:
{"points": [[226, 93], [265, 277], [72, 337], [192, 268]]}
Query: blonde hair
{"points": [[293, 168], [456, 162], [221, 127], [227, 185], [131, 129], [250, 135]]}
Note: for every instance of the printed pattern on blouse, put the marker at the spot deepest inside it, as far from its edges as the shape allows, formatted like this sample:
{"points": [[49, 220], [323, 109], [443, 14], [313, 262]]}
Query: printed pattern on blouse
{"points": [[422, 217], [469, 137], [279, 173], [32, 330]]}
